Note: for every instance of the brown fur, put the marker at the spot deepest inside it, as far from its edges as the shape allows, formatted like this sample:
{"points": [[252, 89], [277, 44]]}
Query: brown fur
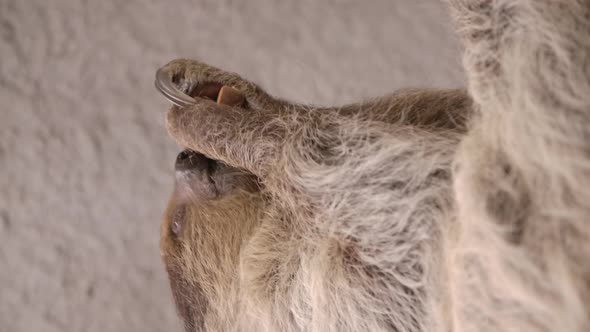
{"points": [[418, 211]]}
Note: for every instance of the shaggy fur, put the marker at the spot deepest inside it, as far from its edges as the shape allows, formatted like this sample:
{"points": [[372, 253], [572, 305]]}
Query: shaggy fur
{"points": [[394, 214], [523, 179]]}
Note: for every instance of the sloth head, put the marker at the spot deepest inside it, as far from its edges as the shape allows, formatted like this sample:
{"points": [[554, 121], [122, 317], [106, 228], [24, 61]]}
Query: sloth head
{"points": [[212, 212]]}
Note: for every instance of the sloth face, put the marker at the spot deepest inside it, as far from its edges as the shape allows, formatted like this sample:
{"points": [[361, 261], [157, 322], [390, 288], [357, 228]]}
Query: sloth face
{"points": [[211, 214]]}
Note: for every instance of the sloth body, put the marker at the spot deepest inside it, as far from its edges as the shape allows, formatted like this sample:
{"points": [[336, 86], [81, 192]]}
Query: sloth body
{"points": [[424, 210]]}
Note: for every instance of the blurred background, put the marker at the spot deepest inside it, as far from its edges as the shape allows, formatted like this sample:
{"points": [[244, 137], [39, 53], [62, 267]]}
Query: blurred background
{"points": [[86, 164]]}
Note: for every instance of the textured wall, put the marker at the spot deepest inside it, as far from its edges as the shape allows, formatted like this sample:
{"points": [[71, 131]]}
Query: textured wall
{"points": [[86, 165]]}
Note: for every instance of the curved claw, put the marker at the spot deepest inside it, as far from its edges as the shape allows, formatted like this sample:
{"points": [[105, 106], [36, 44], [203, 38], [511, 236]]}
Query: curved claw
{"points": [[165, 85]]}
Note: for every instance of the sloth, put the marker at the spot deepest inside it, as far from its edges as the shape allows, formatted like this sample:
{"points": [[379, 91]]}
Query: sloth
{"points": [[424, 210]]}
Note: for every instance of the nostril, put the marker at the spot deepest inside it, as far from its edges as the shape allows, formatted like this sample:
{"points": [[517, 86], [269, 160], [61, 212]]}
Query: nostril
{"points": [[185, 160], [195, 162], [194, 175], [183, 156]]}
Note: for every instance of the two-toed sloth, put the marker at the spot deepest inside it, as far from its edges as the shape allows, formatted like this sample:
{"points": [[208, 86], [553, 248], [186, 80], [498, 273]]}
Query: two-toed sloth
{"points": [[424, 210]]}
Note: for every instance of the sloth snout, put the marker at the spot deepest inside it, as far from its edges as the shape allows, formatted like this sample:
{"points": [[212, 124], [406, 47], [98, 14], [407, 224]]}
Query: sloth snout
{"points": [[192, 161], [194, 176]]}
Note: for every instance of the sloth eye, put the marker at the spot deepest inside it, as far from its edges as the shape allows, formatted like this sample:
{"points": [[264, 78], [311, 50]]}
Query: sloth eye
{"points": [[178, 220]]}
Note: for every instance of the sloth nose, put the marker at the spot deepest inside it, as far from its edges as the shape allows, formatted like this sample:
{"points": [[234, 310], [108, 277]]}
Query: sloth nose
{"points": [[195, 175], [189, 160]]}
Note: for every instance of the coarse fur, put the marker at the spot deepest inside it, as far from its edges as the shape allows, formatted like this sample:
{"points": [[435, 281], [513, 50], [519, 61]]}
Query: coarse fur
{"points": [[338, 191], [523, 180], [425, 210]]}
